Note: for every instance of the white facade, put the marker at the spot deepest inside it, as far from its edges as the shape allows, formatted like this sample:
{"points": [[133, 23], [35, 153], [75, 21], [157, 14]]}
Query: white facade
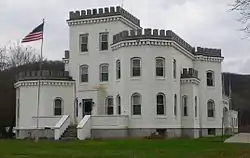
{"points": [[180, 72]]}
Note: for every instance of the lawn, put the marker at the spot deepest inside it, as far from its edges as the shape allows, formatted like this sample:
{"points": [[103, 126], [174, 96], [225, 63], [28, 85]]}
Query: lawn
{"points": [[176, 148]]}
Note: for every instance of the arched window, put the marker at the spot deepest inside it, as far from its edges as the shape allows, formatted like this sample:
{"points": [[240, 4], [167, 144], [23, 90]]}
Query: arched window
{"points": [[118, 103], [84, 70], [76, 107], [210, 78], [104, 72], [110, 105], [136, 104], [175, 105], [160, 104], [58, 107], [118, 69], [135, 67], [210, 108], [185, 105], [195, 106], [174, 68], [160, 67]]}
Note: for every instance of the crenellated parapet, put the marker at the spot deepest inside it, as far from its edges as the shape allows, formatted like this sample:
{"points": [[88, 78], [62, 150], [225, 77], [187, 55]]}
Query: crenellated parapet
{"points": [[43, 75], [189, 73], [208, 52], [103, 12], [152, 34]]}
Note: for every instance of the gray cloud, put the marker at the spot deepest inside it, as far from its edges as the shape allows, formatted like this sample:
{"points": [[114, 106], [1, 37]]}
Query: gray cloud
{"points": [[199, 22]]}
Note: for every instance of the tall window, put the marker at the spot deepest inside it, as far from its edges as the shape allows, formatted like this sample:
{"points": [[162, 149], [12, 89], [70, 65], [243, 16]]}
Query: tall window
{"points": [[104, 72], [84, 43], [175, 105], [110, 105], [210, 78], [160, 67], [136, 104], [118, 69], [160, 104], [174, 68], [58, 107], [210, 108], [104, 41], [136, 67], [185, 106], [118, 103], [84, 73], [76, 107], [195, 106]]}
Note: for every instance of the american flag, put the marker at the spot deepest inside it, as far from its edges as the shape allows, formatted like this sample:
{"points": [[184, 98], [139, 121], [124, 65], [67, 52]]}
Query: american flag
{"points": [[34, 35]]}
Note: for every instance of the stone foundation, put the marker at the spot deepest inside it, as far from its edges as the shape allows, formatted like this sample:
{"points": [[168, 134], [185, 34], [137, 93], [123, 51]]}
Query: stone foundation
{"points": [[109, 133], [31, 133], [146, 132]]}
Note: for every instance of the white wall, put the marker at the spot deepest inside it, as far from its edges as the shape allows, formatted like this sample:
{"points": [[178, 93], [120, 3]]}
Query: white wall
{"points": [[48, 92], [93, 57], [206, 93], [148, 85], [190, 90]]}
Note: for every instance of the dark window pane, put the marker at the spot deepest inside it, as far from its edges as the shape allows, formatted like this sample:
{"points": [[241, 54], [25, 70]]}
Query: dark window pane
{"points": [[84, 47], [185, 111], [119, 110], [160, 71], [136, 109], [58, 111], [104, 77], [110, 110], [104, 46], [211, 131], [84, 78], [136, 71], [160, 110], [104, 37], [160, 99]]}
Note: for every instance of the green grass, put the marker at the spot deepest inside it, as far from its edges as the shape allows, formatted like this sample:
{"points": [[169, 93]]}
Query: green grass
{"points": [[176, 148]]}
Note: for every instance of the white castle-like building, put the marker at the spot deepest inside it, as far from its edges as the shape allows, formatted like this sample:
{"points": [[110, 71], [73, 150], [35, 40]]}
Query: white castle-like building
{"points": [[121, 80]]}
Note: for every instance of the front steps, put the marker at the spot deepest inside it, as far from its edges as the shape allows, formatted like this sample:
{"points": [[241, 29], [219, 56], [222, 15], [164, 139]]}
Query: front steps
{"points": [[70, 133]]}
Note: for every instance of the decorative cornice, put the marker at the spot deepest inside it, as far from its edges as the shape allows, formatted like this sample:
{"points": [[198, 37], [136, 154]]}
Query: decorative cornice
{"points": [[44, 83], [190, 81], [102, 20], [165, 43], [209, 59], [151, 42]]}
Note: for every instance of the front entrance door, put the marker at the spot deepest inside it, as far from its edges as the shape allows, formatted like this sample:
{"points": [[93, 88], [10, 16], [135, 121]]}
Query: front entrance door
{"points": [[87, 107]]}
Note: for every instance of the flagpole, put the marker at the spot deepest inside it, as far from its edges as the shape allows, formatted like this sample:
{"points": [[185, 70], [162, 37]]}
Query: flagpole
{"points": [[39, 81]]}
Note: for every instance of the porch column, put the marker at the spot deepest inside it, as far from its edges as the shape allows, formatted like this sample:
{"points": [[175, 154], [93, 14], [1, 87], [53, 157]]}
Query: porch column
{"points": [[114, 105]]}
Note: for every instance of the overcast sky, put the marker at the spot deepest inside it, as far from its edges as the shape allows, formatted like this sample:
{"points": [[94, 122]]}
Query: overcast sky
{"points": [[206, 23]]}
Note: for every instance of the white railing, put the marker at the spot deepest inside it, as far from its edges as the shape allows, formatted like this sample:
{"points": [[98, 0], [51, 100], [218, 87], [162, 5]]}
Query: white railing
{"points": [[84, 128], [45, 121], [61, 126], [109, 122]]}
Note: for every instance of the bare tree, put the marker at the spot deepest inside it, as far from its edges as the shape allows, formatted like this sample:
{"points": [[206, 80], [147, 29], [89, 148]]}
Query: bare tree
{"points": [[243, 7], [3, 59], [15, 55]]}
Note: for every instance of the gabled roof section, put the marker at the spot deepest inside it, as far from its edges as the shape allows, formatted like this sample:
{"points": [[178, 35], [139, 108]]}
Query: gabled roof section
{"points": [[103, 12]]}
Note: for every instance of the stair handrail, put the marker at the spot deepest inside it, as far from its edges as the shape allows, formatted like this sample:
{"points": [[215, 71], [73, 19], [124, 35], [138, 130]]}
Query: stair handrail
{"points": [[61, 126]]}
